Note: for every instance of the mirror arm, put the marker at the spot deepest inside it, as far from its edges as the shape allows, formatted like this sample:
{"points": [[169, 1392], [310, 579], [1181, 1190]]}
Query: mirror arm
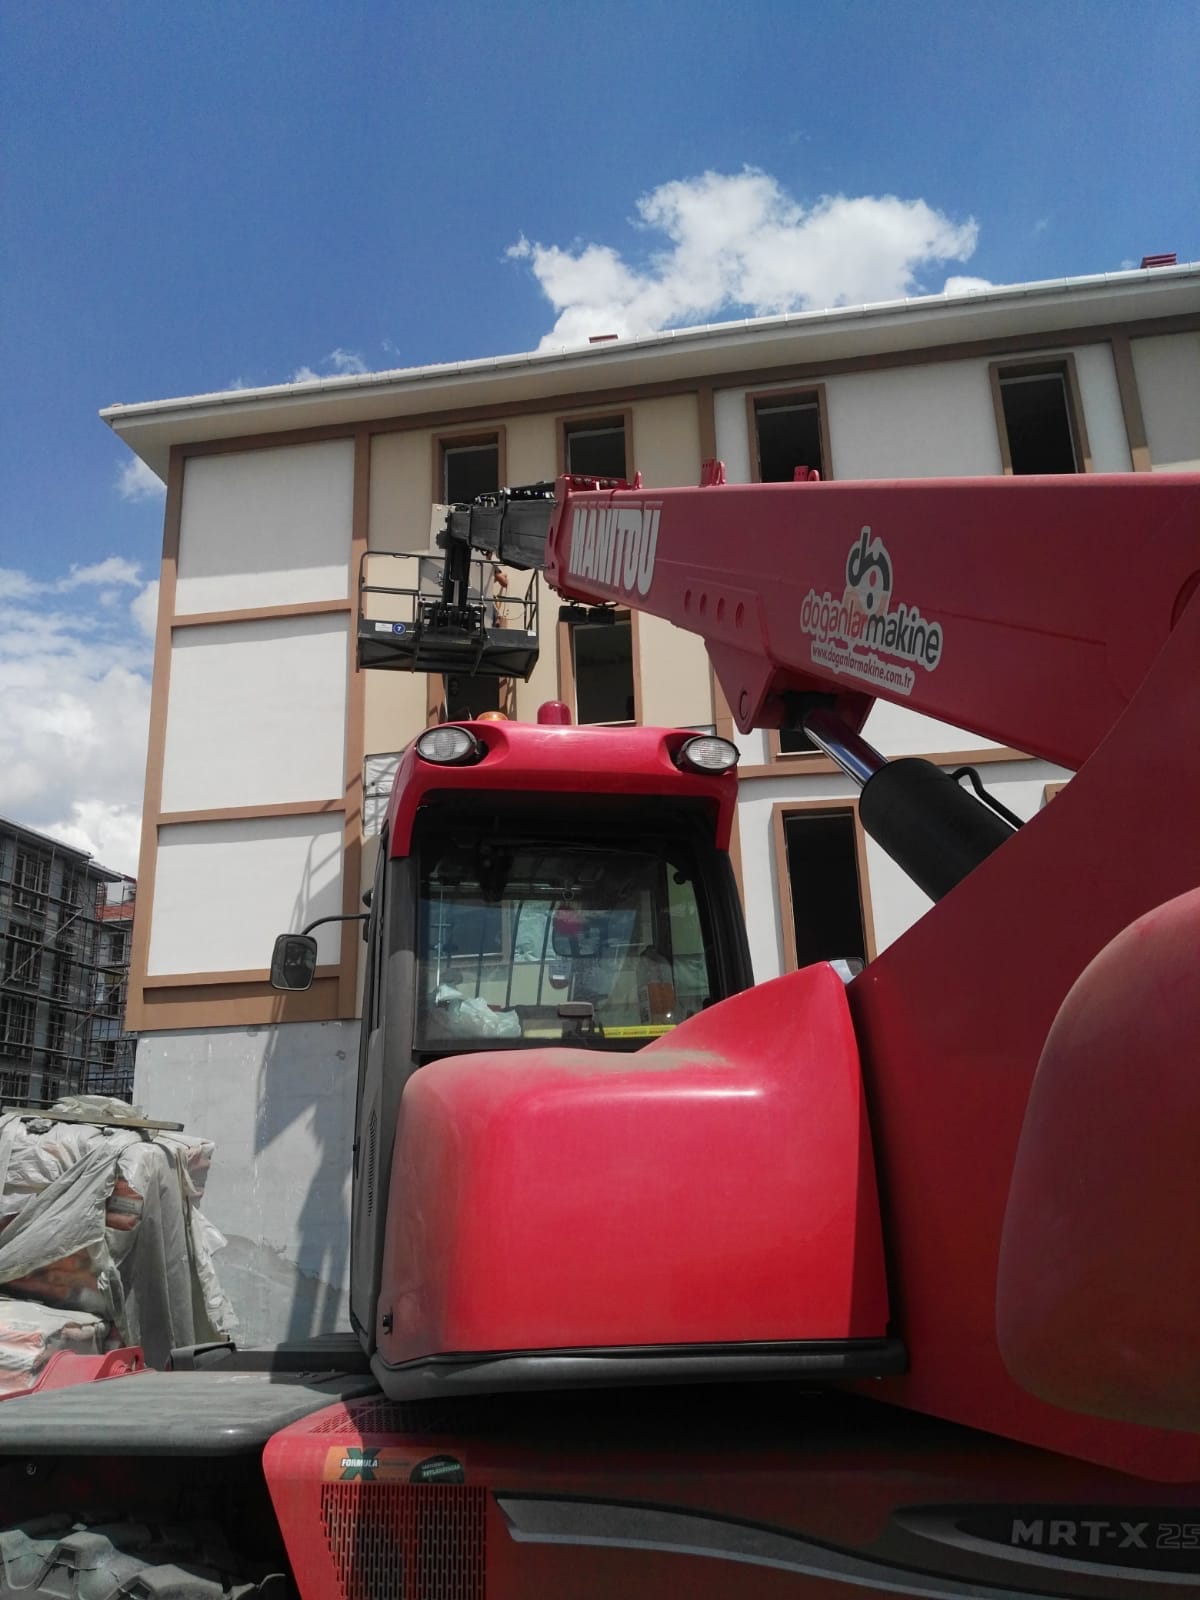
{"points": [[355, 916]]}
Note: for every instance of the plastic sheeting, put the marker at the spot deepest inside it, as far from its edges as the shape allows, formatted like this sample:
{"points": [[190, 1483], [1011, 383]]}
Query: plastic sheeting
{"points": [[103, 1221]]}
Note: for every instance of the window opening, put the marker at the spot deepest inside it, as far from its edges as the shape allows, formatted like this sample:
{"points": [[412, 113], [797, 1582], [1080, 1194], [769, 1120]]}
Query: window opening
{"points": [[788, 436], [469, 470], [1037, 421], [826, 889], [602, 664], [471, 697], [596, 449]]}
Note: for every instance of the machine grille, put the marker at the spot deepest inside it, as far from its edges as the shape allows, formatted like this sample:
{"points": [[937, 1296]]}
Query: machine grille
{"points": [[414, 1418], [400, 1541]]}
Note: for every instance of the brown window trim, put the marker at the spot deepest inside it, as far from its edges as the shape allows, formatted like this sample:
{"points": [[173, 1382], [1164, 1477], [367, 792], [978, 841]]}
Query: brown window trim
{"points": [[809, 392], [780, 811], [1051, 789], [566, 671], [1033, 366], [568, 423], [474, 436]]}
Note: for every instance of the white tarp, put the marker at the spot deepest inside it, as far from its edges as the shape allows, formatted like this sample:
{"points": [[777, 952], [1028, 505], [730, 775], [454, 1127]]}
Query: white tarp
{"points": [[103, 1219]]}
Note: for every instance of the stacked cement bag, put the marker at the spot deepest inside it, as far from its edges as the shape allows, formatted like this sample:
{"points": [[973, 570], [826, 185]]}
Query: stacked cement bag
{"points": [[100, 1224]]}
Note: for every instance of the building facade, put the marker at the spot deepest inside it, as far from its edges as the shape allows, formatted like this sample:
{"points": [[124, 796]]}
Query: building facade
{"points": [[66, 928], [271, 753]]}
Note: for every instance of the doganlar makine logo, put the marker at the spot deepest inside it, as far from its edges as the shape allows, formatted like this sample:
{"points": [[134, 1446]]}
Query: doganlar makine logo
{"points": [[860, 635]]}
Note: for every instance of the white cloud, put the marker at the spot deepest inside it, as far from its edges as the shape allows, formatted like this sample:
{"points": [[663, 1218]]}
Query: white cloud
{"points": [[348, 361], [338, 363], [740, 242], [963, 285], [135, 481], [75, 686]]}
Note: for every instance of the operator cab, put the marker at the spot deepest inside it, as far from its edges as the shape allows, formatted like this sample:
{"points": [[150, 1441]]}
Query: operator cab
{"points": [[562, 887]]}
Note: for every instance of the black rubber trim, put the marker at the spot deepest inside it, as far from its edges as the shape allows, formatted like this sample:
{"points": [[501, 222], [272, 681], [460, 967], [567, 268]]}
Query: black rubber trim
{"points": [[500, 1372]]}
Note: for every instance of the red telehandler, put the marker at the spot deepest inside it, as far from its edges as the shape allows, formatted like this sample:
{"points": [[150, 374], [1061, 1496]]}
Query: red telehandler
{"points": [[944, 1212]]}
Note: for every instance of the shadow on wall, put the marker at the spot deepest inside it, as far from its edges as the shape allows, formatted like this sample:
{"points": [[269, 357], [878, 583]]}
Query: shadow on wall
{"points": [[313, 1096]]}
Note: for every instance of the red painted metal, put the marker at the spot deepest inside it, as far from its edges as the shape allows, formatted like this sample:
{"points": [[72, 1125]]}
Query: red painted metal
{"points": [[1069, 628], [555, 714], [1046, 635], [716, 1187], [551, 759], [826, 1498], [64, 1370], [1098, 1298]]}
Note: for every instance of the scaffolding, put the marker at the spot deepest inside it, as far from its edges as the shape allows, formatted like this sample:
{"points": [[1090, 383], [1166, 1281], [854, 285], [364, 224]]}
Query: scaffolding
{"points": [[65, 937]]}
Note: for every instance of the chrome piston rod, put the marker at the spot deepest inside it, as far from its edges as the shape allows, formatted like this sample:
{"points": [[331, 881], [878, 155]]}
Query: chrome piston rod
{"points": [[858, 759]]}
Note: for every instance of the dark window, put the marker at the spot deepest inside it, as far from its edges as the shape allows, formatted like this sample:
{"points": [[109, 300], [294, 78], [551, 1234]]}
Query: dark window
{"points": [[795, 742], [1038, 421], [470, 697], [23, 957], [596, 449], [788, 435], [822, 867], [602, 658], [16, 1021], [32, 872], [470, 469]]}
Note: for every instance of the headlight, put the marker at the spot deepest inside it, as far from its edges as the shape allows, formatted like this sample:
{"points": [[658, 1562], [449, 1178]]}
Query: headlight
{"points": [[707, 754], [449, 746]]}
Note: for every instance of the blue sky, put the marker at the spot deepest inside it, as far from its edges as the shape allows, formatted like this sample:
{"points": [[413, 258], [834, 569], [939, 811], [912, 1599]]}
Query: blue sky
{"points": [[202, 196]]}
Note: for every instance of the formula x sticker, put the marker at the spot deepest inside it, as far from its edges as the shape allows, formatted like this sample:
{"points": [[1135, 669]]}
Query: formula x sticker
{"points": [[356, 1463]]}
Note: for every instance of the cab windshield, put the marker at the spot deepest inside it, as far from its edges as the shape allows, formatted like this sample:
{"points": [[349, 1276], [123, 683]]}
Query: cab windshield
{"points": [[522, 942]]}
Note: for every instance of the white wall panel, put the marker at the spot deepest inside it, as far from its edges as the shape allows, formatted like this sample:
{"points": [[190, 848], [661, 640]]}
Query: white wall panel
{"points": [[266, 527], [896, 731], [733, 444], [256, 713], [223, 890], [1102, 408], [935, 420], [1168, 378]]}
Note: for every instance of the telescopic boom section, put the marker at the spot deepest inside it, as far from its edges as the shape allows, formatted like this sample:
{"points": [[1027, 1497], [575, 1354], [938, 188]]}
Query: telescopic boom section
{"points": [[1026, 610]]}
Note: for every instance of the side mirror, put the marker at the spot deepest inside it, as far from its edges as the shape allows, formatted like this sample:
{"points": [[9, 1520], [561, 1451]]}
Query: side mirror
{"points": [[293, 961]]}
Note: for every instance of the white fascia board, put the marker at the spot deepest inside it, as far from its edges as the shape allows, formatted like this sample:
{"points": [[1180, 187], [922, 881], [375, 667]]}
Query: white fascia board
{"points": [[559, 376]]}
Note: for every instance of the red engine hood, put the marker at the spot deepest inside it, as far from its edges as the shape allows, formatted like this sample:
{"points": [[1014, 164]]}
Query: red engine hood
{"points": [[717, 1187]]}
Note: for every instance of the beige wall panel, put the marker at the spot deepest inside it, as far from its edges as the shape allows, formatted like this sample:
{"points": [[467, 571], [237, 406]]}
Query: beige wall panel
{"points": [[266, 527], [674, 673], [401, 477], [256, 713], [1102, 414], [223, 890], [914, 422], [666, 441], [530, 449], [395, 709], [543, 681], [1168, 379]]}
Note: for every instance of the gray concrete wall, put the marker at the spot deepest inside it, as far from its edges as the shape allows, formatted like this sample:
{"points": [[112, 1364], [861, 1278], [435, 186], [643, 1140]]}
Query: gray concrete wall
{"points": [[279, 1104]]}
